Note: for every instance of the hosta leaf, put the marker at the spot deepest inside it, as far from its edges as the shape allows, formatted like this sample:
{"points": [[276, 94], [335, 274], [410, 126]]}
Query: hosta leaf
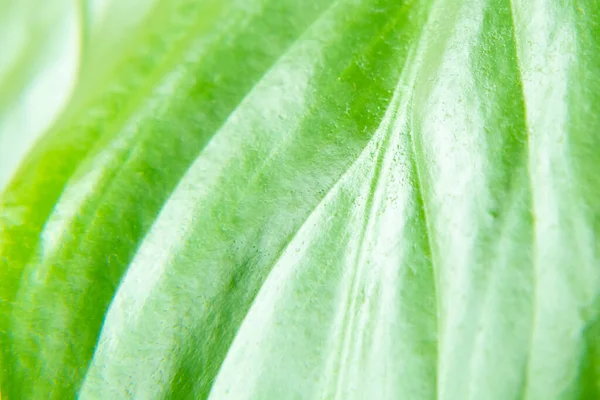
{"points": [[326, 199]]}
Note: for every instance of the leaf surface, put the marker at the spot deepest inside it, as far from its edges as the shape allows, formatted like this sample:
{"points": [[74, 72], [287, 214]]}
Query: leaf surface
{"points": [[325, 199]]}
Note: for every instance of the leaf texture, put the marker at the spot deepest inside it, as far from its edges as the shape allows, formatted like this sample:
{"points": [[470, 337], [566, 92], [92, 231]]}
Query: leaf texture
{"points": [[326, 199]]}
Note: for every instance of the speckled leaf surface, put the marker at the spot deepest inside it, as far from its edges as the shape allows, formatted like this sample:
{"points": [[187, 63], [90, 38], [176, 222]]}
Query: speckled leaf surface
{"points": [[283, 199]]}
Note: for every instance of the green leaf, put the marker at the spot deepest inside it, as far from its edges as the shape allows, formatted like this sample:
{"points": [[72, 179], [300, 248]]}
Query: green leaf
{"points": [[301, 199]]}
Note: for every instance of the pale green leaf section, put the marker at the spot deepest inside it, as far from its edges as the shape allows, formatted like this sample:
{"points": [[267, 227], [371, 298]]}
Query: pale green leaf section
{"points": [[284, 177], [38, 67], [567, 259], [108, 138], [360, 293], [276, 199]]}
